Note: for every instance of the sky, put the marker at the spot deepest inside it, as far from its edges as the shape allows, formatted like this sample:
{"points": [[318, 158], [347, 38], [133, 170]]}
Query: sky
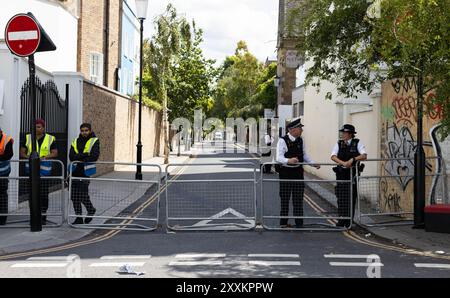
{"points": [[225, 22]]}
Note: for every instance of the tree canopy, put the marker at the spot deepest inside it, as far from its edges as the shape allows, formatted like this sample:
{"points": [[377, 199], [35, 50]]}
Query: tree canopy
{"points": [[357, 44]]}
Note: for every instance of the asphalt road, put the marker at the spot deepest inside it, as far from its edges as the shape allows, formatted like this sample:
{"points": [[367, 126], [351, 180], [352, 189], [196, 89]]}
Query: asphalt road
{"points": [[213, 198]]}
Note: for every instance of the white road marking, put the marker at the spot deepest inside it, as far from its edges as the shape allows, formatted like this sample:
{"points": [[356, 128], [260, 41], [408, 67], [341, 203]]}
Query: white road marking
{"points": [[274, 263], [125, 257], [196, 263], [350, 264], [273, 256], [429, 265], [196, 256], [40, 265], [117, 264], [56, 258], [348, 256]]}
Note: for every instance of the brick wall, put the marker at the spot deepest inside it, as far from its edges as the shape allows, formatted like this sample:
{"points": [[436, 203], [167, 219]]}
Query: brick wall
{"points": [[114, 119], [91, 37]]}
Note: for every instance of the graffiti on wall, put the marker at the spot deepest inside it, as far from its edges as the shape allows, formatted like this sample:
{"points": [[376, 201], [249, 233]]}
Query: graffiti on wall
{"points": [[390, 198], [398, 142]]}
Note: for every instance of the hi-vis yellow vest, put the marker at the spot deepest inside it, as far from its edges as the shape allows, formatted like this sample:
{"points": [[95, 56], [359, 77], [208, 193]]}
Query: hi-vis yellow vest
{"points": [[43, 150], [89, 168]]}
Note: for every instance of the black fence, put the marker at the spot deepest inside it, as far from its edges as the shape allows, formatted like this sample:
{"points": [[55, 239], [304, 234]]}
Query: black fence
{"points": [[53, 109]]}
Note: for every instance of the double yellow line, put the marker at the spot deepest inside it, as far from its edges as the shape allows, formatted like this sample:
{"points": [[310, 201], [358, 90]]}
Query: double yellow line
{"points": [[104, 237], [355, 237]]}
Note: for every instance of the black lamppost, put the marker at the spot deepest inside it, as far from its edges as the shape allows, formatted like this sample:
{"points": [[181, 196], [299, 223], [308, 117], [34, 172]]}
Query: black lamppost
{"points": [[141, 11]]}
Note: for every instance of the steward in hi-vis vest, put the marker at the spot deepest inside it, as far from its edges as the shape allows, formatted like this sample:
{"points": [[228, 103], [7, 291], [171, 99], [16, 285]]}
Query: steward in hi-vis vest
{"points": [[6, 153], [85, 151], [347, 153], [47, 150]]}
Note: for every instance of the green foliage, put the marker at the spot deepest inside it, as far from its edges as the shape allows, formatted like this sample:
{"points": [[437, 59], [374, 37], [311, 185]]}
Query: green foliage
{"points": [[244, 87], [175, 70], [191, 84], [356, 49]]}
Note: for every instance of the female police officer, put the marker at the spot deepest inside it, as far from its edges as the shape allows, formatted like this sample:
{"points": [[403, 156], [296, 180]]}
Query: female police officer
{"points": [[346, 153]]}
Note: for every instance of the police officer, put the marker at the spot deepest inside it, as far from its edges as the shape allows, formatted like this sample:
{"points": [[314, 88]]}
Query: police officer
{"points": [[290, 152], [86, 149], [6, 153], [46, 148], [347, 153]]}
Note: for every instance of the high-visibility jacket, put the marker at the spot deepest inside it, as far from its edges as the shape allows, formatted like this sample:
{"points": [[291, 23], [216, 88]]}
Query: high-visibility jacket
{"points": [[90, 168], [5, 166], [43, 150]]}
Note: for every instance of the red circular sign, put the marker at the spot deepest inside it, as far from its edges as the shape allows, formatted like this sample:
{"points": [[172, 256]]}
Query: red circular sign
{"points": [[22, 35]]}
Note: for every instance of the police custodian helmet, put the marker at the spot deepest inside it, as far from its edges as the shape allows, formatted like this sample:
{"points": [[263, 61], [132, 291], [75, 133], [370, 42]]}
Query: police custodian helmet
{"points": [[348, 128], [294, 124]]}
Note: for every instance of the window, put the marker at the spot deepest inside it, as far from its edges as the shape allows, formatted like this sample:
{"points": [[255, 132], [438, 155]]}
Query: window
{"points": [[301, 108], [295, 110], [96, 68]]}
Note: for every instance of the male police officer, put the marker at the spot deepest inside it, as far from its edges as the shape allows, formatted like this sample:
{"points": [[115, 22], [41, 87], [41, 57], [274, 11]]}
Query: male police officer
{"points": [[46, 148], [290, 152], [6, 153], [86, 149], [346, 153]]}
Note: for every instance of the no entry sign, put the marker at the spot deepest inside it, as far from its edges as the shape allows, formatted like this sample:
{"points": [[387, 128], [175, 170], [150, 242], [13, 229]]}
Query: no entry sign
{"points": [[22, 35]]}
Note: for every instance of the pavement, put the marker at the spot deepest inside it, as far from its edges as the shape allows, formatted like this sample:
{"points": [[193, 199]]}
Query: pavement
{"points": [[19, 239], [403, 234]]}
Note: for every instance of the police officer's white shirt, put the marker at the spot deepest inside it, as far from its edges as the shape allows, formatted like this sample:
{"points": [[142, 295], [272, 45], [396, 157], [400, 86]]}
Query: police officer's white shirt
{"points": [[282, 149], [361, 148]]}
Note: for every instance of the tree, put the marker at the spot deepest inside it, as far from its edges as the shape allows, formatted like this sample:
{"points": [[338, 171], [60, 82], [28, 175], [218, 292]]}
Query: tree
{"points": [[191, 84], [163, 50], [244, 87], [357, 44]]}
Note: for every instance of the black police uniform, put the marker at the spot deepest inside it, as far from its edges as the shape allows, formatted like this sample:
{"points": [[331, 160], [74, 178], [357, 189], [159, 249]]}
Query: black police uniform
{"points": [[342, 191], [288, 188]]}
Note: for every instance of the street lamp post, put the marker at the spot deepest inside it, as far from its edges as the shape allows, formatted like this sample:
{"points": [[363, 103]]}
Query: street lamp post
{"points": [[141, 11]]}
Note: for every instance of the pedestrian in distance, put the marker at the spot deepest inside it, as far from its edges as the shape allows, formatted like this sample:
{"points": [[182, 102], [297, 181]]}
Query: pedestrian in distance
{"points": [[85, 150], [267, 156], [6, 153], [348, 152], [291, 154], [47, 150]]}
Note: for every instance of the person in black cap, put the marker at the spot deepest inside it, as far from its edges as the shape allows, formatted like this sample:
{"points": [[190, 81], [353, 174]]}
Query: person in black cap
{"points": [[347, 152], [291, 153]]}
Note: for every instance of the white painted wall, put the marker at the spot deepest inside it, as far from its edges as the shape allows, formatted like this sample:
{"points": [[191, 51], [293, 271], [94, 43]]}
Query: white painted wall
{"points": [[323, 119], [59, 24]]}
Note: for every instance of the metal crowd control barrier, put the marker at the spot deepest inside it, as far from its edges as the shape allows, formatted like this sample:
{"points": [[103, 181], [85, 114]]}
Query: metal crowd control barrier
{"points": [[215, 203], [316, 203], [387, 198], [120, 201], [15, 195]]}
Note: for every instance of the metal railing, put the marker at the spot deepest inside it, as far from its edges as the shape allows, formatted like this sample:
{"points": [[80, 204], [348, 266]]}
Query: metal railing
{"points": [[318, 204], [15, 196], [215, 203], [386, 198], [116, 200]]}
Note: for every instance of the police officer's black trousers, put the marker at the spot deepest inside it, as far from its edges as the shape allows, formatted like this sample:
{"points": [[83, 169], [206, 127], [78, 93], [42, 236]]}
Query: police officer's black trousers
{"points": [[80, 195], [296, 190], [343, 193], [3, 199]]}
